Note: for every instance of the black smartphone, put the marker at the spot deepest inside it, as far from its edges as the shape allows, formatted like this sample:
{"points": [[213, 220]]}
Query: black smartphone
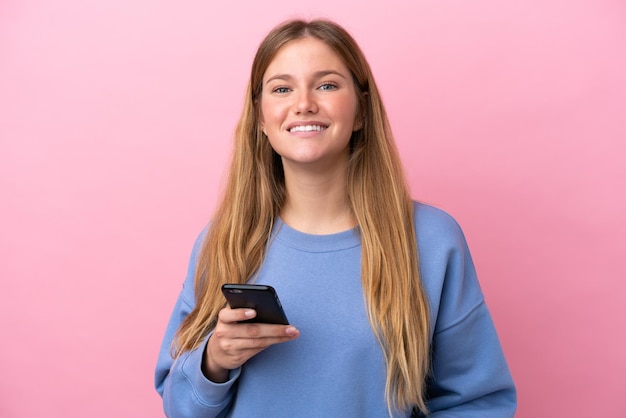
{"points": [[263, 299]]}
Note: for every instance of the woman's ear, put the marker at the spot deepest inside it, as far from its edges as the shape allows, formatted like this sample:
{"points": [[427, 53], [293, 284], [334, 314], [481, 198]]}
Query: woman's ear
{"points": [[262, 125], [359, 120]]}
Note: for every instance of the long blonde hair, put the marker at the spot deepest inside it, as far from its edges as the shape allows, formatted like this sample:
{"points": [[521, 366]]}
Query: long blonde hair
{"points": [[235, 245]]}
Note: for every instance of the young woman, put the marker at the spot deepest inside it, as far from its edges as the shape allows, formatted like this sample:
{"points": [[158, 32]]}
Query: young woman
{"points": [[387, 315]]}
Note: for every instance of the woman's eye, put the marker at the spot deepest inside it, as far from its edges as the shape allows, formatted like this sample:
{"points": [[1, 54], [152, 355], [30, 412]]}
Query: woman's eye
{"points": [[281, 90], [327, 86]]}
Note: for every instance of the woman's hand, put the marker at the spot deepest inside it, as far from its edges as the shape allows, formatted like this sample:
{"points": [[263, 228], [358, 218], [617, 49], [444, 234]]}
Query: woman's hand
{"points": [[233, 343]]}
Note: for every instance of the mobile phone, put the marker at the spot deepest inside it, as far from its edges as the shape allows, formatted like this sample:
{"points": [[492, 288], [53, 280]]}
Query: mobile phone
{"points": [[262, 298]]}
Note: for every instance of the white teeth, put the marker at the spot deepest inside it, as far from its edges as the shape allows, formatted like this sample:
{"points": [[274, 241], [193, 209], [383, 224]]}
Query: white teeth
{"points": [[307, 128]]}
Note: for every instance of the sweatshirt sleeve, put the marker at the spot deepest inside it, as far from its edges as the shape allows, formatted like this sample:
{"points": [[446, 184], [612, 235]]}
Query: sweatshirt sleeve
{"points": [[186, 392], [469, 374]]}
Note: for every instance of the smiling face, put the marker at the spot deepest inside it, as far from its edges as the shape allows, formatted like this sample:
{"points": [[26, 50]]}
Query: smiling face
{"points": [[309, 105]]}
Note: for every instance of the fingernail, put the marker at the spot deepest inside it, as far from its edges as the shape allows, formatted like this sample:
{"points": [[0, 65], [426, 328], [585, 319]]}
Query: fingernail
{"points": [[291, 331], [249, 313]]}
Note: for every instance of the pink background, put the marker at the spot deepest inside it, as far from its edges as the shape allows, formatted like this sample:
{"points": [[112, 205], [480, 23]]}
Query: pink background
{"points": [[115, 125]]}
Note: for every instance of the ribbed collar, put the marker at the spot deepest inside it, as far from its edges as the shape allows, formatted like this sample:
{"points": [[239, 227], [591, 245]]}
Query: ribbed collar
{"points": [[315, 243]]}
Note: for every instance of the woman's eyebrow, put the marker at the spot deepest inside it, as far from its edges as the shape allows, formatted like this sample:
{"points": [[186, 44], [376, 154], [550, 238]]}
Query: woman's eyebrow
{"points": [[317, 74]]}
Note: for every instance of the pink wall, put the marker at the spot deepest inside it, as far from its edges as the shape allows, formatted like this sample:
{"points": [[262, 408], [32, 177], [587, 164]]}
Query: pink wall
{"points": [[115, 120]]}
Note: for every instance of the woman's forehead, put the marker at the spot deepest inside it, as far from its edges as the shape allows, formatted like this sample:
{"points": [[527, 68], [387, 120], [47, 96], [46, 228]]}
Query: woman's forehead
{"points": [[305, 55]]}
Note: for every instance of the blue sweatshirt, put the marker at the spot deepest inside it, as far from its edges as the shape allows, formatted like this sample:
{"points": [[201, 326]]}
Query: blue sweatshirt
{"points": [[336, 367]]}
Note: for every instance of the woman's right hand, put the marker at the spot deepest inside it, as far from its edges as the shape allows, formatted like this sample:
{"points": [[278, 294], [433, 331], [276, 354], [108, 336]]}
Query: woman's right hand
{"points": [[233, 343]]}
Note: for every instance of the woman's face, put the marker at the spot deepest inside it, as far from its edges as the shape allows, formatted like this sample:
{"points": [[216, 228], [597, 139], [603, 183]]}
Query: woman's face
{"points": [[309, 106]]}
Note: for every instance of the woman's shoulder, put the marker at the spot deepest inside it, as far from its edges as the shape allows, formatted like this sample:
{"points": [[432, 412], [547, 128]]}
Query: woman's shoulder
{"points": [[189, 283], [433, 221]]}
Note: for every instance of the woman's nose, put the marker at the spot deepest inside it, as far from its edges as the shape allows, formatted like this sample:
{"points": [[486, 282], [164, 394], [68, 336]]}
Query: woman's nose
{"points": [[305, 102]]}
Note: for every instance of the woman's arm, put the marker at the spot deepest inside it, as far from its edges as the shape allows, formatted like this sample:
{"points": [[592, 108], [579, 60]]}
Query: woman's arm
{"points": [[469, 374], [186, 392], [470, 377]]}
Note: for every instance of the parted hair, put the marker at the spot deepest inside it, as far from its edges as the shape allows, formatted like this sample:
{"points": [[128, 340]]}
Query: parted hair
{"points": [[236, 241]]}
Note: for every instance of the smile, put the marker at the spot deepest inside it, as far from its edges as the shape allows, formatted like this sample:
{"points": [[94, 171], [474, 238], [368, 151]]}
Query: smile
{"points": [[307, 128]]}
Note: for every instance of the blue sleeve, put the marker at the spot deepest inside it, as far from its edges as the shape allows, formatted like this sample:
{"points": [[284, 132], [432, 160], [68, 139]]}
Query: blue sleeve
{"points": [[186, 392], [469, 374]]}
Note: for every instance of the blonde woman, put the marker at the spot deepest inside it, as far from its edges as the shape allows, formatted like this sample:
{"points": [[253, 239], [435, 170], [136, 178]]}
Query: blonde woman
{"points": [[387, 317]]}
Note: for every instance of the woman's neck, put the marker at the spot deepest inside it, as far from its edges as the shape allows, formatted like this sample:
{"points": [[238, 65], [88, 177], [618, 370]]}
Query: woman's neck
{"points": [[317, 204]]}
